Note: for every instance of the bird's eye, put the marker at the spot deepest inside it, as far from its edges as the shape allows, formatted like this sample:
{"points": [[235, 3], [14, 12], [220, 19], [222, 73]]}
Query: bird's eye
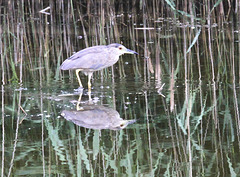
{"points": [[120, 48]]}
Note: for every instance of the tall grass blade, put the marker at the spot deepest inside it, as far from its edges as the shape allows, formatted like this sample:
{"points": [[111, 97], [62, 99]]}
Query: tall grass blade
{"points": [[194, 40], [232, 172], [215, 5], [171, 4], [96, 144]]}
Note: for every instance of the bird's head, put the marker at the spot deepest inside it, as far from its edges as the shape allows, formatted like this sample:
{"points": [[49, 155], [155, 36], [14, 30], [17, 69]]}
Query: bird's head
{"points": [[120, 49], [121, 124]]}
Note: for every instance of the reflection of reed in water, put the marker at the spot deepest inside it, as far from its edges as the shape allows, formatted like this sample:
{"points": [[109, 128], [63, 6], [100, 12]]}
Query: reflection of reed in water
{"points": [[96, 117]]}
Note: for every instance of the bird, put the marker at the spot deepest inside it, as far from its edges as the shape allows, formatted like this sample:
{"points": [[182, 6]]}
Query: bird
{"points": [[94, 58], [96, 117]]}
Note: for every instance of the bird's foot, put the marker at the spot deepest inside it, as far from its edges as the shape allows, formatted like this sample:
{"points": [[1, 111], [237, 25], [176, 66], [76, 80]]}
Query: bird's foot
{"points": [[89, 96], [79, 108], [79, 89]]}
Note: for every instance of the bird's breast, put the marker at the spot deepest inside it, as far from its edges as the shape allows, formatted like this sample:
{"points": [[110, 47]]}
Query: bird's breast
{"points": [[112, 59]]}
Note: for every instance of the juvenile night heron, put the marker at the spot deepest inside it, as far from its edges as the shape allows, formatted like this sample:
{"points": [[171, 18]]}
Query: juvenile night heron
{"points": [[93, 59], [97, 117]]}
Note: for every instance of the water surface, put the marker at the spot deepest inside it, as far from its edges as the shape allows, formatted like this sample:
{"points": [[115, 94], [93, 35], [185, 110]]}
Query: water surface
{"points": [[182, 90]]}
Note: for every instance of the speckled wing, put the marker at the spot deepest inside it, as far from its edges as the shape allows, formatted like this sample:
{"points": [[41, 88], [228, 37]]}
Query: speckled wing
{"points": [[92, 58]]}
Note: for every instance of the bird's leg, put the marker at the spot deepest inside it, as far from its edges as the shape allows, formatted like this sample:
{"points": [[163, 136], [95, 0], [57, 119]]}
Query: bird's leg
{"points": [[79, 101], [78, 77], [89, 81], [89, 96]]}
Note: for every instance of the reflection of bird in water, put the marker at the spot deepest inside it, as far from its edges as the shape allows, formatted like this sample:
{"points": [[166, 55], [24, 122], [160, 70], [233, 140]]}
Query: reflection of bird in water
{"points": [[94, 58], [96, 117]]}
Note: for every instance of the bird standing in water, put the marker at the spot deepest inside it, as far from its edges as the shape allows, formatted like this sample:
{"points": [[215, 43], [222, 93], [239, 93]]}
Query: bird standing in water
{"points": [[93, 59]]}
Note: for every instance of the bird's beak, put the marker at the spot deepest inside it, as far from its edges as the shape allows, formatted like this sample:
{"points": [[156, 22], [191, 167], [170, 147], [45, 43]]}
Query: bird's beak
{"points": [[125, 123], [131, 51], [131, 121]]}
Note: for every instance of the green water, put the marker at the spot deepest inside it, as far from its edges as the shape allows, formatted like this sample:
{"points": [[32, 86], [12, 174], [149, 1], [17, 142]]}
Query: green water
{"points": [[182, 90]]}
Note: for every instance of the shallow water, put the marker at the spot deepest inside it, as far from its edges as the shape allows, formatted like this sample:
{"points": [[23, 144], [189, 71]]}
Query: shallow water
{"points": [[185, 102], [42, 142]]}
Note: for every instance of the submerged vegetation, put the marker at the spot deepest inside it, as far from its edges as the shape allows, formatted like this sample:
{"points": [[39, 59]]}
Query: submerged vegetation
{"points": [[183, 88]]}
